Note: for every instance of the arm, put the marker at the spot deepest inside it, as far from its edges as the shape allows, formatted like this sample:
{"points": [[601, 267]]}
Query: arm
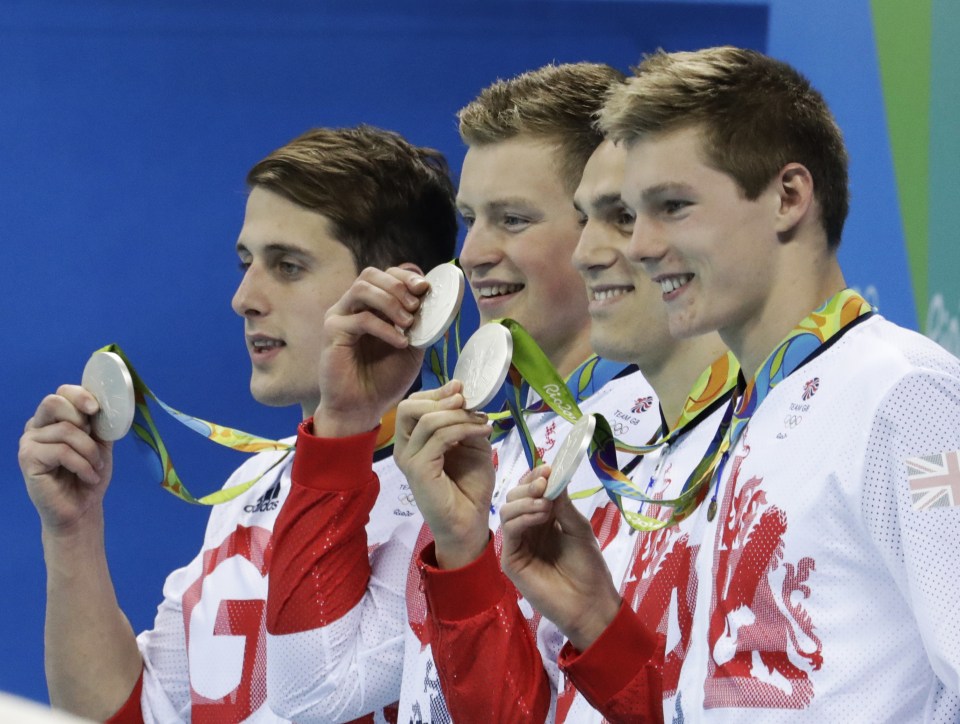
{"points": [[335, 624], [91, 656], [486, 656], [484, 651], [552, 556], [920, 416], [444, 451]]}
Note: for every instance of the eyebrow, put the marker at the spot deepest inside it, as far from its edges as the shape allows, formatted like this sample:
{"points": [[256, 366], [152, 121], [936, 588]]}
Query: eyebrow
{"points": [[497, 205], [276, 248], [670, 187], [607, 200]]}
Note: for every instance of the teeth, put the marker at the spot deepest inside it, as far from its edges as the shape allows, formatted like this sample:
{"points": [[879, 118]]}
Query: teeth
{"points": [[604, 294], [672, 283], [266, 343], [499, 289]]}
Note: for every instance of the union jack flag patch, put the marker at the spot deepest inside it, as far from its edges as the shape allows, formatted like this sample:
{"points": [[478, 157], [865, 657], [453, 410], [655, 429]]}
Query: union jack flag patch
{"points": [[810, 388], [934, 480], [642, 404]]}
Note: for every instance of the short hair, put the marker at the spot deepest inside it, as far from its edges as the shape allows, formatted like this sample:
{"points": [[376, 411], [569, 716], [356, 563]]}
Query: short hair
{"points": [[555, 103], [388, 201], [757, 115]]}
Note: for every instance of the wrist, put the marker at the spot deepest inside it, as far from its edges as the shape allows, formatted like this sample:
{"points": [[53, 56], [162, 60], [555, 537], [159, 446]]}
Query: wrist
{"points": [[596, 619], [458, 551], [329, 422]]}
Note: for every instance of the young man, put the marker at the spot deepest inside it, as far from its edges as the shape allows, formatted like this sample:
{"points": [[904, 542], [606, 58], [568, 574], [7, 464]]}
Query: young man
{"points": [[827, 570], [627, 323], [516, 196], [321, 208]]}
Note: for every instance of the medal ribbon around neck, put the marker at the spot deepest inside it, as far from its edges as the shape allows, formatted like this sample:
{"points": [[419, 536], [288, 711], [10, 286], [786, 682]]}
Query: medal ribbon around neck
{"points": [[530, 366], [147, 433], [713, 388], [811, 336]]}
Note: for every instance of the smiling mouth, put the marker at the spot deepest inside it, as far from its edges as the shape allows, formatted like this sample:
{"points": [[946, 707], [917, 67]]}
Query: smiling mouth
{"points": [[602, 295], [260, 346], [498, 290], [671, 284]]}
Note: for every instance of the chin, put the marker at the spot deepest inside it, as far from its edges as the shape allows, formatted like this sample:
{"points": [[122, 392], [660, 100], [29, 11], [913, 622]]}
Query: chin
{"points": [[616, 350]]}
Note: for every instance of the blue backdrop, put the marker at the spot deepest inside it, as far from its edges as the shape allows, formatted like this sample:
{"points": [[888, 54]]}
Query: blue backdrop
{"points": [[127, 130]]}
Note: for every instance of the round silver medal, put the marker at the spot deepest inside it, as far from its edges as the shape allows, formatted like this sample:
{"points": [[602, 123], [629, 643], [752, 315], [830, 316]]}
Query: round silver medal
{"points": [[483, 364], [569, 456], [438, 307], [107, 378]]}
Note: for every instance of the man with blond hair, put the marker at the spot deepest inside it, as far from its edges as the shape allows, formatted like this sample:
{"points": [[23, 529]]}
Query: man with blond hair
{"points": [[830, 542], [529, 138]]}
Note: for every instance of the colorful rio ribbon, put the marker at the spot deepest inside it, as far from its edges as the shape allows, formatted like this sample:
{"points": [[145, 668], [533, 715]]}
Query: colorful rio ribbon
{"points": [[719, 383], [810, 337], [531, 368], [147, 433]]}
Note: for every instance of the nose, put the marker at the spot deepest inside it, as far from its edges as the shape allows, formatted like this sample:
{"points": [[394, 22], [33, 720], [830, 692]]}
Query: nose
{"points": [[592, 250], [646, 243], [481, 248], [250, 300]]}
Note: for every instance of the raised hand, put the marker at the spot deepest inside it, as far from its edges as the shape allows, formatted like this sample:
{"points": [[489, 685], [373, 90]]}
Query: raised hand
{"points": [[553, 558], [444, 451], [65, 468], [367, 365]]}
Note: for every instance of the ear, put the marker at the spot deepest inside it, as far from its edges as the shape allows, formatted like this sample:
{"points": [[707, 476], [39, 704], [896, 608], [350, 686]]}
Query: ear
{"points": [[794, 185]]}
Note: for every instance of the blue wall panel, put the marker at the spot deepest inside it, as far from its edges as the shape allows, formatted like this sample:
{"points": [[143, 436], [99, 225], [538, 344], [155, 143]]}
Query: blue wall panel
{"points": [[126, 131]]}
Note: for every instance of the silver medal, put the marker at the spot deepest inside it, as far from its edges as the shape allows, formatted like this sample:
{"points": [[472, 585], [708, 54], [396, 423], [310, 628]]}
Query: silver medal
{"points": [[107, 378], [484, 363], [438, 307], [569, 456]]}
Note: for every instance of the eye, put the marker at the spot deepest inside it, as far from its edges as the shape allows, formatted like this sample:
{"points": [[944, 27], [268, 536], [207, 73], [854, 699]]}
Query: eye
{"points": [[626, 218], [672, 207], [512, 222], [582, 219], [468, 220], [289, 269]]}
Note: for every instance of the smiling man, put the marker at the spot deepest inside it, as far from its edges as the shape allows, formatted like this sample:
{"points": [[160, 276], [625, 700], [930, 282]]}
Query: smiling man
{"points": [[829, 549], [528, 138], [238, 622]]}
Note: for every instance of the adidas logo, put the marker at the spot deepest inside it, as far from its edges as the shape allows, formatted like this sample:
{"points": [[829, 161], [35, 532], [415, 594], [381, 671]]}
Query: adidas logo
{"points": [[267, 501]]}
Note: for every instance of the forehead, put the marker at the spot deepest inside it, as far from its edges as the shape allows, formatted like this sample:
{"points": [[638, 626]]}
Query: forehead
{"points": [[675, 158], [603, 173], [273, 219], [516, 167]]}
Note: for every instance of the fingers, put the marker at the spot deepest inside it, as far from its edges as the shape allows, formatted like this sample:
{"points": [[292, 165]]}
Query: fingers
{"points": [[61, 446], [58, 436], [418, 404], [437, 426], [379, 303], [525, 507], [71, 404]]}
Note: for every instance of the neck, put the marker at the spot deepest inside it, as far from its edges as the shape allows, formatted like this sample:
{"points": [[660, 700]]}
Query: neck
{"points": [[572, 355], [672, 377], [800, 293]]}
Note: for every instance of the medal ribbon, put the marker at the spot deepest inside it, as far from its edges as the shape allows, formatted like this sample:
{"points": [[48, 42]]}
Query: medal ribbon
{"points": [[147, 433], [530, 366], [805, 341]]}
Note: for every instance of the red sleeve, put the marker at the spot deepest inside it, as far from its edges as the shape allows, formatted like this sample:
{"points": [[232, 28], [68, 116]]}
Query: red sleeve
{"points": [[319, 566], [486, 656], [621, 673], [130, 712]]}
